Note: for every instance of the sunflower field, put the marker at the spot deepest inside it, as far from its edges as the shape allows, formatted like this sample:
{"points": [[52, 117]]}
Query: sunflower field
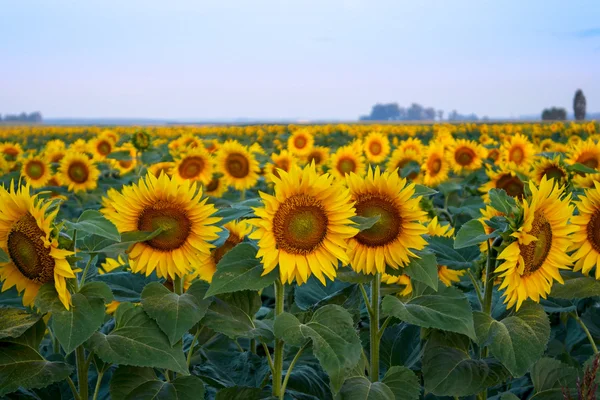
{"points": [[308, 262]]}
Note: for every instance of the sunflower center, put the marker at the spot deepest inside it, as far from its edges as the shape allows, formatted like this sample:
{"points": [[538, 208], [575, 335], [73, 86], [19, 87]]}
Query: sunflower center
{"points": [[535, 253], [35, 169], [517, 155], [174, 222], [104, 148], [554, 173], [593, 231], [78, 172], [191, 167], [56, 157], [300, 142], [435, 165], [346, 165], [389, 225], [464, 156], [11, 153], [512, 185], [375, 148], [316, 157], [27, 251], [300, 224], [237, 165], [232, 241], [125, 163], [212, 185], [589, 160], [493, 154]]}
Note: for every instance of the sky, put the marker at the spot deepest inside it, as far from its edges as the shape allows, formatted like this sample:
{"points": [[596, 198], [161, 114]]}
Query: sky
{"points": [[295, 59]]}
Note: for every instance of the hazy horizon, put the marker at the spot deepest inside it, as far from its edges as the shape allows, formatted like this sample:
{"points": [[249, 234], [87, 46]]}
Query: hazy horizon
{"points": [[312, 60]]}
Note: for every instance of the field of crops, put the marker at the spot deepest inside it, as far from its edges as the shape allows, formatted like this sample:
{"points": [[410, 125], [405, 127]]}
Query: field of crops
{"points": [[309, 262]]}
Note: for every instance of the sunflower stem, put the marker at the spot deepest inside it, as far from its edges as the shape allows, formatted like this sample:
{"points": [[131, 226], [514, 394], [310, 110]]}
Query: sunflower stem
{"points": [[82, 373], [98, 384], [289, 370], [278, 354], [374, 328], [366, 299], [85, 270], [191, 350], [73, 388], [178, 285], [477, 288], [586, 330], [253, 346]]}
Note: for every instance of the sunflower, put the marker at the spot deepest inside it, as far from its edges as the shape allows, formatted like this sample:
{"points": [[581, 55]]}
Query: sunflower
{"points": [[487, 213], [100, 147], [216, 187], [237, 232], [78, 172], [436, 166], [34, 257], [301, 142], [175, 207], [319, 155], [79, 146], [376, 147], [11, 151], [402, 280], [551, 169], [517, 149], [493, 154], [447, 276], [127, 164], [284, 160], [586, 239], [161, 167], [533, 261], [304, 228], [54, 154], [397, 233], [401, 158], [466, 156], [412, 144], [506, 179], [586, 153], [36, 171], [434, 228], [111, 264], [195, 164], [239, 167], [346, 160]]}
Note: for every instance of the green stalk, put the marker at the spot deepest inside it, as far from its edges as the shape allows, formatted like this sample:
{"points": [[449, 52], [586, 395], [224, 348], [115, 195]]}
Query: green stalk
{"points": [[374, 328], [191, 351], [82, 373], [178, 285], [278, 354], [289, 370], [73, 388], [586, 330], [85, 270], [98, 385]]}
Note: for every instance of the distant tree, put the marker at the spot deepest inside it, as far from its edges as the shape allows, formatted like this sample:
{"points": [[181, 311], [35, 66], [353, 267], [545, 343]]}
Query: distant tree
{"points": [[429, 113], [414, 112], [383, 112], [23, 117], [579, 105], [440, 115], [554, 114]]}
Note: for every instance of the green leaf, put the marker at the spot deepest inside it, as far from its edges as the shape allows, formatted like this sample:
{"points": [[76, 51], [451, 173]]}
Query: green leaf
{"points": [[239, 269], [4, 257], [125, 286], [232, 368], [549, 376], [448, 369], [137, 340], [360, 388], [93, 222], [32, 337], [126, 378], [401, 345], [403, 382], [232, 314], [471, 234], [127, 239], [423, 269], [364, 223], [447, 255], [124, 155], [15, 321], [447, 309], [98, 290], [334, 339], [182, 388], [74, 326], [348, 275], [576, 287], [581, 169], [421, 190], [502, 201], [242, 393], [23, 367], [236, 211], [175, 314], [519, 340]]}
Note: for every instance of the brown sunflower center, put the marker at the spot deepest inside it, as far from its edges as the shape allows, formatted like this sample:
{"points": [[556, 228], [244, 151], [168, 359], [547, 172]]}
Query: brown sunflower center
{"points": [[316, 157], [554, 172], [512, 185], [464, 156], [174, 222], [593, 231], [232, 241], [104, 148], [237, 165], [517, 154], [212, 185], [11, 153], [493, 154], [125, 163], [191, 167], [389, 225], [589, 160], [27, 251], [435, 165], [56, 157], [35, 169], [78, 172], [300, 224], [346, 165], [535, 253], [300, 142], [375, 148]]}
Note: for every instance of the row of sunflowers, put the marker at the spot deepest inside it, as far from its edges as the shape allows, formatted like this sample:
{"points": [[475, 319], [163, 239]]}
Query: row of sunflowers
{"points": [[377, 261]]}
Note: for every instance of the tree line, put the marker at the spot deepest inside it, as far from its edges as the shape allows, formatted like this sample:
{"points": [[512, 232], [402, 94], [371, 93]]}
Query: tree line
{"points": [[416, 112], [560, 114], [35, 116]]}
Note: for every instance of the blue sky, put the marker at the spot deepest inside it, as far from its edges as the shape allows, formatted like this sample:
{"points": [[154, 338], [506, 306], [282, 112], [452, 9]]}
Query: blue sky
{"points": [[310, 59]]}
